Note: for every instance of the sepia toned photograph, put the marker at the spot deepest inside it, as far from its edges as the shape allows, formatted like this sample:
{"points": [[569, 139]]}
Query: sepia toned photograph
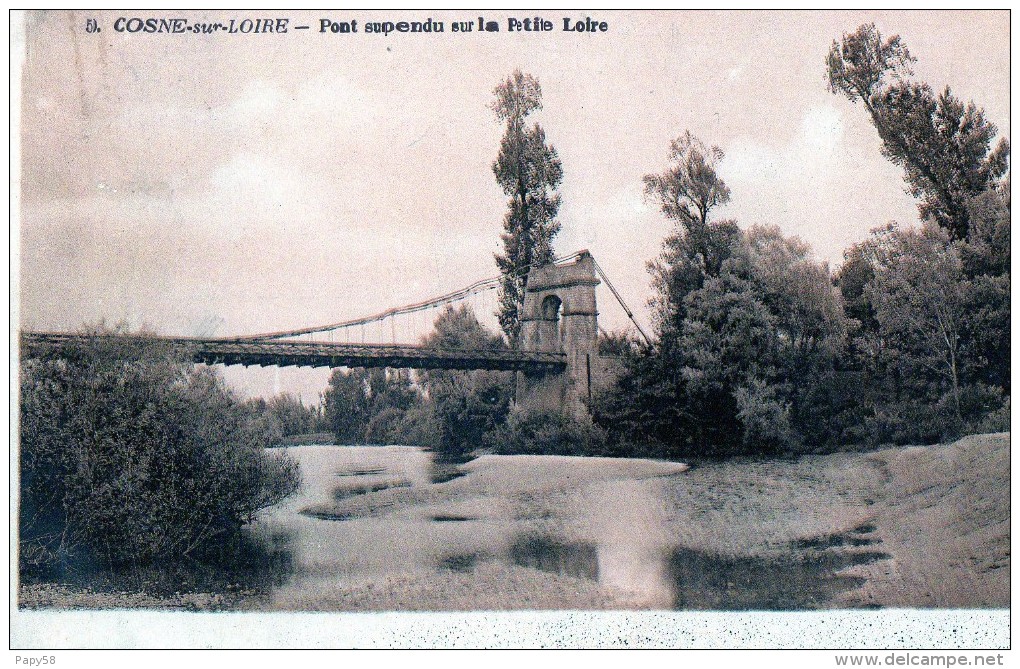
{"points": [[544, 312]]}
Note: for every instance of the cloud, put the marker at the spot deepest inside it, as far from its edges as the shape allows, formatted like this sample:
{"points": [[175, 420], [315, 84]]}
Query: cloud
{"points": [[811, 156], [818, 185], [257, 180], [821, 129], [259, 102], [326, 102]]}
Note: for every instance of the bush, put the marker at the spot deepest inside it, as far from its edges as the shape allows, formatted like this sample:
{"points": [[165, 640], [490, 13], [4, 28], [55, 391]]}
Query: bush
{"points": [[384, 428], [419, 426], [130, 454], [986, 408], [546, 433], [764, 418], [289, 415]]}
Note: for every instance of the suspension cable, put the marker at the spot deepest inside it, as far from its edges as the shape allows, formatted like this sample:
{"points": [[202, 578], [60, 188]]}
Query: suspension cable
{"points": [[619, 299], [476, 287]]}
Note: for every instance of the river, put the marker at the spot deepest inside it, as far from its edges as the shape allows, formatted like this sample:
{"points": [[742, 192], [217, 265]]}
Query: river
{"points": [[392, 528], [396, 529]]}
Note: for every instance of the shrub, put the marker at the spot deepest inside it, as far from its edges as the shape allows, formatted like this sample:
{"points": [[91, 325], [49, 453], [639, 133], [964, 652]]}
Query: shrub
{"points": [[420, 426], [546, 433], [987, 409], [289, 415], [764, 418], [384, 428], [130, 454]]}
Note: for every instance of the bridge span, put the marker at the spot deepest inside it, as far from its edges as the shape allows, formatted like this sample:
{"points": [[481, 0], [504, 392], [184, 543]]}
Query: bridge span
{"points": [[558, 354], [312, 354]]}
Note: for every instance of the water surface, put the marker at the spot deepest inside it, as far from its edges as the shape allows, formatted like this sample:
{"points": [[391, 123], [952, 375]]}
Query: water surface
{"points": [[393, 527]]}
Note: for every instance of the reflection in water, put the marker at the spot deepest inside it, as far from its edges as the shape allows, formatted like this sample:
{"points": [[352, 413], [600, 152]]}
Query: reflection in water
{"points": [[330, 515], [257, 561], [443, 467], [577, 560], [450, 518], [500, 527], [245, 568], [345, 492], [460, 563], [444, 473], [633, 542], [806, 581], [855, 537]]}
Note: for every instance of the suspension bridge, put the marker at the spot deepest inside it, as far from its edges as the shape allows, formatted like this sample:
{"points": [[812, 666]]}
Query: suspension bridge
{"points": [[557, 353]]}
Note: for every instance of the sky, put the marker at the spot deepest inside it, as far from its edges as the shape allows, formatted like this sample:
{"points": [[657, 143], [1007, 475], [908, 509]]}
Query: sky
{"points": [[233, 184]]}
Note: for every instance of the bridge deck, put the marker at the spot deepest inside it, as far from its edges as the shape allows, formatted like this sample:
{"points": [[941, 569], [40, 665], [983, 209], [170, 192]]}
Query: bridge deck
{"points": [[315, 354]]}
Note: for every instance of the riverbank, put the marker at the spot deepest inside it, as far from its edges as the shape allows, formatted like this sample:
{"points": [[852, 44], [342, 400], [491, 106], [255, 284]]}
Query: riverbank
{"points": [[904, 527], [944, 518]]}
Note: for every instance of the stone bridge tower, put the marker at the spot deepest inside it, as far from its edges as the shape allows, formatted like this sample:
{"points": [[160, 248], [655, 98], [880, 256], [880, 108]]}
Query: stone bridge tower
{"points": [[560, 315]]}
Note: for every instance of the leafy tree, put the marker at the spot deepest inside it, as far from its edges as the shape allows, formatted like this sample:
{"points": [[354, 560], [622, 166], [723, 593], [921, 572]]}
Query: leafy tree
{"points": [[288, 414], [798, 291], [756, 342], [369, 405], [391, 389], [756, 338], [728, 339], [441, 409], [918, 294], [529, 172], [385, 426], [943, 145], [852, 279], [930, 313], [986, 250], [616, 344], [466, 405], [459, 328], [986, 263], [929, 351], [347, 405], [645, 412], [651, 401], [764, 416], [695, 249], [691, 187], [547, 433], [943, 326], [392, 397], [867, 375]]}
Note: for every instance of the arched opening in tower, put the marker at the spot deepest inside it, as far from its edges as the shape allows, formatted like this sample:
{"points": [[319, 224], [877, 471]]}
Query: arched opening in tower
{"points": [[551, 309]]}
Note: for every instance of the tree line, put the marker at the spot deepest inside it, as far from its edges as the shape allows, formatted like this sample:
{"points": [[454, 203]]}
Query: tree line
{"points": [[758, 347], [448, 411], [761, 350]]}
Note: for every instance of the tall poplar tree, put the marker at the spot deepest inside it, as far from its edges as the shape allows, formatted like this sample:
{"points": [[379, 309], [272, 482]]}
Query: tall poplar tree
{"points": [[943, 144], [529, 172]]}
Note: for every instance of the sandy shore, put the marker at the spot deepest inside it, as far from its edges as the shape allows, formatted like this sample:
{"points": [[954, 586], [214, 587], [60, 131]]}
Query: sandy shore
{"points": [[943, 516], [931, 524], [905, 527]]}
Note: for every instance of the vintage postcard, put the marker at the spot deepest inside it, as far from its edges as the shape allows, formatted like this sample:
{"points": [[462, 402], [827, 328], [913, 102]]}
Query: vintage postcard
{"points": [[478, 328]]}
